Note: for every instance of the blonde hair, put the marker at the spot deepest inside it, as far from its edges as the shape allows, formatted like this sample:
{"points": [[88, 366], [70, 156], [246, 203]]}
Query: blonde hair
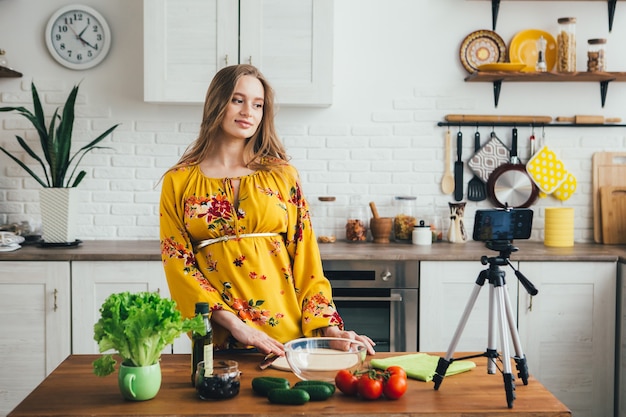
{"points": [[265, 141]]}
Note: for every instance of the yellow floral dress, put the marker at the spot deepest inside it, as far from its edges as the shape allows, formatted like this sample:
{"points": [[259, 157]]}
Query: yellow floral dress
{"points": [[273, 282]]}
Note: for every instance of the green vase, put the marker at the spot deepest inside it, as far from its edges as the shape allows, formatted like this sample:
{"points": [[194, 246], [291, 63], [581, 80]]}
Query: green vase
{"points": [[139, 383]]}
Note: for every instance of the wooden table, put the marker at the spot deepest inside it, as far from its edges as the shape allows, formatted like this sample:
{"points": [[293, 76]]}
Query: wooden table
{"points": [[73, 390]]}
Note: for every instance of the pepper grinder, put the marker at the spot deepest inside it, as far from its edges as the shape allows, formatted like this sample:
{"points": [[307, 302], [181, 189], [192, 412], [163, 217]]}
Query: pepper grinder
{"points": [[541, 55]]}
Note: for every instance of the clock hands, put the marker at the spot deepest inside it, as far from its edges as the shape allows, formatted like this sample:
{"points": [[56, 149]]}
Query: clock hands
{"points": [[79, 36]]}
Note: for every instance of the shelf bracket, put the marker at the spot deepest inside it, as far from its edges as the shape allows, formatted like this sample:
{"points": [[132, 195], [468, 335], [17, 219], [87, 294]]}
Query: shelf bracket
{"points": [[611, 4], [604, 87], [495, 7], [496, 91]]}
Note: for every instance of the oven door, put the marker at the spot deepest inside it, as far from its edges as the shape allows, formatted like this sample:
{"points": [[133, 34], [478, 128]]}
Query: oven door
{"points": [[387, 316]]}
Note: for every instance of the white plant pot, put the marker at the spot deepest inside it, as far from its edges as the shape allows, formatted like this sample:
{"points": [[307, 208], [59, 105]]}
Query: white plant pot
{"points": [[59, 210]]}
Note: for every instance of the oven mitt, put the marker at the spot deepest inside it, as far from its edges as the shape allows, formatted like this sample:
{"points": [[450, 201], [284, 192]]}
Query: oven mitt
{"points": [[546, 170], [421, 365], [566, 189], [489, 157]]}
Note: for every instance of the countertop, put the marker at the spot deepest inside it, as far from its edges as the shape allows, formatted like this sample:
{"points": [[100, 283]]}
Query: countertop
{"points": [[148, 250], [73, 390]]}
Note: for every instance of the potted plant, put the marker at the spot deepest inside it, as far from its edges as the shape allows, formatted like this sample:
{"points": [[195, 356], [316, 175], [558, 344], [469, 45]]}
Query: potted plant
{"points": [[59, 165], [138, 326]]}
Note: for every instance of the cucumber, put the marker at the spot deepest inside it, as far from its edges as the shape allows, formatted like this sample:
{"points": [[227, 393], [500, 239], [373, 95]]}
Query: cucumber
{"points": [[317, 392], [262, 385], [290, 396], [313, 382]]}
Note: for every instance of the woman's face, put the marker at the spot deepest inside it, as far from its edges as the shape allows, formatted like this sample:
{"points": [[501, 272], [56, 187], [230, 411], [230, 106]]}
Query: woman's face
{"points": [[244, 112]]}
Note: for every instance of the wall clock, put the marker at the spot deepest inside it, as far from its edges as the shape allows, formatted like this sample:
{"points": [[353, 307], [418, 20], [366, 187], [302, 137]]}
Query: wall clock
{"points": [[78, 37]]}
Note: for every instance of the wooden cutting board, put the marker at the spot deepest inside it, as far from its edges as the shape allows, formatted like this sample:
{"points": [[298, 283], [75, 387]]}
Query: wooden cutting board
{"points": [[608, 169], [613, 207]]}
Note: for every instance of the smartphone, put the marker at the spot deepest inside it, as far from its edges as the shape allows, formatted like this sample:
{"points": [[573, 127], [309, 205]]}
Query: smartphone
{"points": [[502, 224]]}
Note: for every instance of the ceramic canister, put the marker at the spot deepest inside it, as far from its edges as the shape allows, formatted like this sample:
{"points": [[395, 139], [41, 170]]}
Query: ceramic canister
{"points": [[559, 227]]}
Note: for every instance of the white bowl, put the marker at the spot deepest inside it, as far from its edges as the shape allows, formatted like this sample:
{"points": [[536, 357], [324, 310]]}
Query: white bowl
{"points": [[319, 358]]}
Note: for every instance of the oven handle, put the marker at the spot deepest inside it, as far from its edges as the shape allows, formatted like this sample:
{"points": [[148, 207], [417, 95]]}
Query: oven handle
{"points": [[394, 298]]}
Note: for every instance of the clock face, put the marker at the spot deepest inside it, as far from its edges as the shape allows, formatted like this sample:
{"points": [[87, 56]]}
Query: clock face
{"points": [[78, 37]]}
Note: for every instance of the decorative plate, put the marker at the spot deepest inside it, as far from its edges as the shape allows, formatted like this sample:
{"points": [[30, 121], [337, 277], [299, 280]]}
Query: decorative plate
{"points": [[502, 66], [523, 48], [481, 47]]}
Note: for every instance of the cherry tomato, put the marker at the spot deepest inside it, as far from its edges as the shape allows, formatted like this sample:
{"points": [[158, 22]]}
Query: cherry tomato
{"points": [[347, 382], [396, 370], [395, 386], [370, 388]]}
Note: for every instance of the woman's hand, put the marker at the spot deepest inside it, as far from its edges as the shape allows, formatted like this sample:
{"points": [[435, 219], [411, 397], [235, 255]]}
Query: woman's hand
{"points": [[334, 331], [246, 334]]}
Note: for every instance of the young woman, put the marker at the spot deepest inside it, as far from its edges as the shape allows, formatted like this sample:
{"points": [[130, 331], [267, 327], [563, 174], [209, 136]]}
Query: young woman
{"points": [[235, 226]]}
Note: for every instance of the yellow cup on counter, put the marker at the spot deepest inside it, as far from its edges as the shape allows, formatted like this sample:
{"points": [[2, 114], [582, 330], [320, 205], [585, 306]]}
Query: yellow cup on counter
{"points": [[559, 227]]}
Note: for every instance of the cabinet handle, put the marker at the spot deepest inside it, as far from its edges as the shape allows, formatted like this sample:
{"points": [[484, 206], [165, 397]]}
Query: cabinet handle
{"points": [[56, 292], [226, 59], [530, 305], [250, 60]]}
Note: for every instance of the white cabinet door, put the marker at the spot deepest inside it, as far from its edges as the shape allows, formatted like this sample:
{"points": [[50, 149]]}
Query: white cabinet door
{"points": [[445, 289], [35, 326], [621, 342], [569, 332], [187, 41], [93, 282]]}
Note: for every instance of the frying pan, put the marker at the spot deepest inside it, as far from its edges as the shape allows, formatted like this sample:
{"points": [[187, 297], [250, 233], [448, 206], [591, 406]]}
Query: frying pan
{"points": [[509, 185]]}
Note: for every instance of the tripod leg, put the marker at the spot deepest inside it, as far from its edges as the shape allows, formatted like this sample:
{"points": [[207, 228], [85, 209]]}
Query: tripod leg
{"points": [[442, 365], [509, 385], [520, 358], [492, 351]]}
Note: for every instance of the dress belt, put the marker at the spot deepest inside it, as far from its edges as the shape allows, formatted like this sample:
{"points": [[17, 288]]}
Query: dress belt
{"points": [[225, 238]]}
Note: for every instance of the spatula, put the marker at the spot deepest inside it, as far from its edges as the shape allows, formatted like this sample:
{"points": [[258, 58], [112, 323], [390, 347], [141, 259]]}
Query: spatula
{"points": [[458, 168], [476, 188], [447, 182]]}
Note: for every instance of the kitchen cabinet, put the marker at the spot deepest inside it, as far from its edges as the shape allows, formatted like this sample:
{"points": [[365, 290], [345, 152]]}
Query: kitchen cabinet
{"points": [[35, 326], [445, 289], [569, 332], [187, 42], [566, 331], [93, 282]]}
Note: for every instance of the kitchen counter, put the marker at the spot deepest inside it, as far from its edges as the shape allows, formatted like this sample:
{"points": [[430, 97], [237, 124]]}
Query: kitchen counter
{"points": [[148, 250], [73, 390]]}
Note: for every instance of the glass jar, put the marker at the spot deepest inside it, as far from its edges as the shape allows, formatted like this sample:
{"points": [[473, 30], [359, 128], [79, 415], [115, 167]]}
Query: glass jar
{"points": [[404, 220], [436, 227], [222, 383], [325, 219], [596, 55], [566, 45], [356, 224]]}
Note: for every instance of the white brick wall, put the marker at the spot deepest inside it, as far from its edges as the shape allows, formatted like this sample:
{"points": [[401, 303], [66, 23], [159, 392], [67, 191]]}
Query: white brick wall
{"points": [[379, 139]]}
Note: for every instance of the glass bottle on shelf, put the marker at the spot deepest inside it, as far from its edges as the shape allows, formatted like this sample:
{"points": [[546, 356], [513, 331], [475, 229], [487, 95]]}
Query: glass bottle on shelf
{"points": [[596, 55], [404, 220], [356, 225], [566, 45], [325, 219], [541, 55]]}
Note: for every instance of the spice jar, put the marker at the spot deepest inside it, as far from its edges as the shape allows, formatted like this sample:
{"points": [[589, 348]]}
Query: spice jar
{"points": [[596, 55], [404, 220], [325, 219], [422, 234], [356, 225], [566, 45]]}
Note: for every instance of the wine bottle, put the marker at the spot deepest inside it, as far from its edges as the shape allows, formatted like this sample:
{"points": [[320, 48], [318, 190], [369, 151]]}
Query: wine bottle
{"points": [[202, 345]]}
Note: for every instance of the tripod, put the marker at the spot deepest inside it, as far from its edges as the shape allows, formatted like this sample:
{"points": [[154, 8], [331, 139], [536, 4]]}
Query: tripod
{"points": [[499, 304]]}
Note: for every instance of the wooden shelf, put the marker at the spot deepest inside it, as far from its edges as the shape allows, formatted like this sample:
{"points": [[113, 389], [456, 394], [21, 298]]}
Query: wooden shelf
{"points": [[6, 72], [498, 77], [495, 7], [511, 124]]}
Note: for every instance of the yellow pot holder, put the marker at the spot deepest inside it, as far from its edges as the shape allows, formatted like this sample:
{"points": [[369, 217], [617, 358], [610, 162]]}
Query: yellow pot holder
{"points": [[546, 170], [566, 189]]}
